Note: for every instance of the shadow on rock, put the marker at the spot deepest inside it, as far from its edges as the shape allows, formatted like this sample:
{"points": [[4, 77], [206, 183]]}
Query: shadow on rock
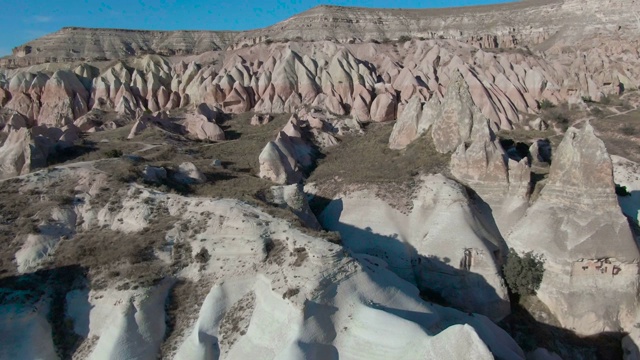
{"points": [[51, 288]]}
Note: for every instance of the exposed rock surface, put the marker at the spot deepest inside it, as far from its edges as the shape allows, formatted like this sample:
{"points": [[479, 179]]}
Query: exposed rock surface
{"points": [[188, 173], [460, 263], [457, 119], [406, 129], [292, 197], [268, 287], [200, 128], [505, 25], [366, 80], [576, 224], [23, 152], [626, 173]]}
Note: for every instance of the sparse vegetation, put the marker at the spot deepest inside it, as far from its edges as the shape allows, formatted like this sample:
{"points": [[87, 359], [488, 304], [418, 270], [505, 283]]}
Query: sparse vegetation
{"points": [[616, 101], [291, 292], [628, 130], [368, 158], [523, 274], [404, 39], [202, 256], [546, 104], [622, 190], [558, 115]]}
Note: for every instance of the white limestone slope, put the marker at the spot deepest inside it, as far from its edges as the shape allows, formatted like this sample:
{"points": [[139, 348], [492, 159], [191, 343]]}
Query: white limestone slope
{"points": [[439, 244], [276, 293], [129, 324], [366, 312], [25, 332]]}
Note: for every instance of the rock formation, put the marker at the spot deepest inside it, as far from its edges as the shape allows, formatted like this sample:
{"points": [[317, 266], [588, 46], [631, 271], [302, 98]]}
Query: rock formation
{"points": [[461, 263], [591, 256], [268, 284], [22, 152], [200, 128]]}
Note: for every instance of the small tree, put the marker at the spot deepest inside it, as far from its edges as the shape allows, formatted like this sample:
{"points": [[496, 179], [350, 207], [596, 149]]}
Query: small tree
{"points": [[546, 104], [523, 273], [622, 190]]}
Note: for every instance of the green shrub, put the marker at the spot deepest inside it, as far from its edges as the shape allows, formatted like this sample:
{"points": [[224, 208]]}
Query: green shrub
{"points": [[523, 274], [404, 38], [203, 256], [113, 153], [606, 100], [628, 130], [546, 104], [622, 190]]}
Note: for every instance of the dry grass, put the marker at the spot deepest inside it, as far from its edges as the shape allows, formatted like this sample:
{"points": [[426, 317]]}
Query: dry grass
{"points": [[619, 133], [368, 159], [21, 212], [114, 257]]}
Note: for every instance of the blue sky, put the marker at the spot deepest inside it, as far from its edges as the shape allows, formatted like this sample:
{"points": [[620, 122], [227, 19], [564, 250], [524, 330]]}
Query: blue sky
{"points": [[21, 21]]}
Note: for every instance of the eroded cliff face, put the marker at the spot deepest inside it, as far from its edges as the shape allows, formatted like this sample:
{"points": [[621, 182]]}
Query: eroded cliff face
{"points": [[367, 81], [525, 23]]}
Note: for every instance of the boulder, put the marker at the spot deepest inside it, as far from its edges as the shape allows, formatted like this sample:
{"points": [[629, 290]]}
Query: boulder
{"points": [[188, 173], [258, 119], [154, 174], [90, 120], [293, 198], [278, 166], [383, 108], [199, 127]]}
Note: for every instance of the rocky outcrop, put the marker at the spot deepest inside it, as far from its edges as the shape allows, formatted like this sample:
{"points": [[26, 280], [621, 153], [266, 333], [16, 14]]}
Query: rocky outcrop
{"points": [[200, 128], [501, 183], [188, 173], [63, 101], [383, 108], [367, 81], [460, 263], [284, 160], [293, 198], [277, 283], [410, 125], [22, 152], [626, 174], [590, 283], [509, 25], [456, 119]]}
